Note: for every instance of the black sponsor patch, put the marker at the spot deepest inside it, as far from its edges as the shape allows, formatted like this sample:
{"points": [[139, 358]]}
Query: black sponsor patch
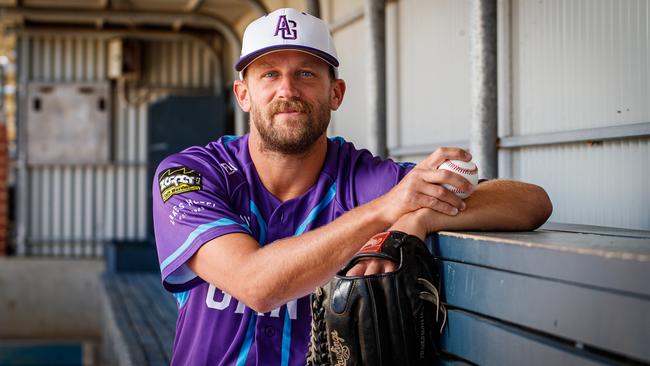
{"points": [[178, 180]]}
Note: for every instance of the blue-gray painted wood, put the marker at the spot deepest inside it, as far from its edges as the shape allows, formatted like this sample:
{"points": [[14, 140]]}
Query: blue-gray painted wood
{"points": [[603, 319], [614, 263], [158, 344], [120, 342], [41, 353], [144, 335], [591, 229], [486, 342], [162, 318], [446, 361], [141, 319]]}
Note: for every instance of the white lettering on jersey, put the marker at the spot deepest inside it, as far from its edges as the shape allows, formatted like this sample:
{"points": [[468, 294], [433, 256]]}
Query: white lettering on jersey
{"points": [[240, 307], [219, 305], [228, 168], [246, 219], [292, 306]]}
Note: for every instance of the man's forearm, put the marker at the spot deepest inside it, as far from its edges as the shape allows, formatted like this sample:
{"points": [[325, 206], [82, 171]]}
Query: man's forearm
{"points": [[269, 276], [497, 205]]}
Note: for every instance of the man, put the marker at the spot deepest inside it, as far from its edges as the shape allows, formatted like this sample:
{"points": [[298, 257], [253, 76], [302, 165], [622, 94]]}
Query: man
{"points": [[247, 227]]}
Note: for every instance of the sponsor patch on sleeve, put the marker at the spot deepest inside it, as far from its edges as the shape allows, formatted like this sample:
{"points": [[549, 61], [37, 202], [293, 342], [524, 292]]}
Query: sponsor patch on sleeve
{"points": [[178, 180]]}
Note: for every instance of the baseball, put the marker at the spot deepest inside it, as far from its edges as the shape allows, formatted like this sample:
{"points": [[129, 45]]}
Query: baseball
{"points": [[468, 170]]}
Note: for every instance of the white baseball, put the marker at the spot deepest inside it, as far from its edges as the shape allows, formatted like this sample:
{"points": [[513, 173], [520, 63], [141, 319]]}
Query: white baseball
{"points": [[468, 170]]}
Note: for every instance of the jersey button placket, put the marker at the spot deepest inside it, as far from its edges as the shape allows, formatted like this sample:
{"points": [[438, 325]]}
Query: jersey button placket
{"points": [[269, 331]]}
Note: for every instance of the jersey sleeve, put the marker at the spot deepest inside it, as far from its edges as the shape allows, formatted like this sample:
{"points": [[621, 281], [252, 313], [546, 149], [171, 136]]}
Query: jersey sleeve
{"points": [[191, 206], [372, 176]]}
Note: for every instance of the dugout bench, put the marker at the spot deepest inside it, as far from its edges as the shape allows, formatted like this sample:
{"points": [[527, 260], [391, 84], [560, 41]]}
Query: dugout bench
{"points": [[561, 295]]}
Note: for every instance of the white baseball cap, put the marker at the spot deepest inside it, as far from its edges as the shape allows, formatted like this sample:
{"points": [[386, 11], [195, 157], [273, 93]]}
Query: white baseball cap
{"points": [[287, 29]]}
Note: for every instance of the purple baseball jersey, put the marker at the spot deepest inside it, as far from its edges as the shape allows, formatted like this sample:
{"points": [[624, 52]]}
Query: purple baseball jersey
{"points": [[202, 193]]}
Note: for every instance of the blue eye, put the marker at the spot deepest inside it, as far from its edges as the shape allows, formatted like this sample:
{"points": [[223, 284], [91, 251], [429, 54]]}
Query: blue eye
{"points": [[306, 74], [270, 74]]}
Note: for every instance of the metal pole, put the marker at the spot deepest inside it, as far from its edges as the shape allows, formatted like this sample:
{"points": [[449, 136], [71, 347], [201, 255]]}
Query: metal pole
{"points": [[313, 7], [483, 53], [22, 198], [375, 20]]}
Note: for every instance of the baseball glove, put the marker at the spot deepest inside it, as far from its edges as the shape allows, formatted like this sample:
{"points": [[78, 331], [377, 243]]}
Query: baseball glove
{"points": [[383, 319]]}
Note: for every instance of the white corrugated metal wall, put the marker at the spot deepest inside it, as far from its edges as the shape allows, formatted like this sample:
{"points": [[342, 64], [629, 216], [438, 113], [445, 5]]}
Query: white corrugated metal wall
{"points": [[565, 65], [74, 209], [581, 65], [427, 67]]}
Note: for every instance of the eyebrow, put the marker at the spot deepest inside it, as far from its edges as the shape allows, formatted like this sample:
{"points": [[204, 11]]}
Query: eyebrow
{"points": [[310, 63], [265, 64], [304, 63]]}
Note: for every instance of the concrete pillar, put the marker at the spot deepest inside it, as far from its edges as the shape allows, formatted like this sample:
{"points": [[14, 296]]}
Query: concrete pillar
{"points": [[375, 22], [483, 53]]}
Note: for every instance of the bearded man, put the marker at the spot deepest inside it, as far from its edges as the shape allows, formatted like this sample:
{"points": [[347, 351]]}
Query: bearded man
{"points": [[247, 226]]}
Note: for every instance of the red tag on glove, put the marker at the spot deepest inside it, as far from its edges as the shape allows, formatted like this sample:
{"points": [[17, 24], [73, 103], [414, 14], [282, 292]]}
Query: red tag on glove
{"points": [[375, 243]]}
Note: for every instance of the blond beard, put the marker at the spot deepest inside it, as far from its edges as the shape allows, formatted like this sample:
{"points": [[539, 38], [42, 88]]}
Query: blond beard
{"points": [[305, 130]]}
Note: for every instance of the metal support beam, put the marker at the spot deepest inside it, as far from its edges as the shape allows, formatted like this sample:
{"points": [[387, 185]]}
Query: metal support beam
{"points": [[375, 16], [424, 149], [130, 17], [586, 135], [22, 188], [589, 135], [483, 52], [313, 7], [131, 33]]}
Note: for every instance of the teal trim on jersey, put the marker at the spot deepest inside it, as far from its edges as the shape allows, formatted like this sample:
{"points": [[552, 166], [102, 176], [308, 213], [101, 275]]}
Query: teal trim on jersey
{"points": [[181, 298], [406, 164], [338, 139], [260, 222], [227, 138], [198, 231], [316, 210], [286, 339], [248, 340]]}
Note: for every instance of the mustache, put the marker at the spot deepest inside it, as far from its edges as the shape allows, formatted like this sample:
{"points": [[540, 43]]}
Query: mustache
{"points": [[294, 105]]}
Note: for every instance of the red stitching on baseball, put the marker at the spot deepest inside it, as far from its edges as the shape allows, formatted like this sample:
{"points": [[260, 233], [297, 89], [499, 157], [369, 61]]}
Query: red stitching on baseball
{"points": [[456, 190], [461, 170]]}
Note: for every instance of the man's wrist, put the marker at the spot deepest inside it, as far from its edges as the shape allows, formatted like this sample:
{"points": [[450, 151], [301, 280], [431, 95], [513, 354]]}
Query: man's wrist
{"points": [[433, 221], [412, 224]]}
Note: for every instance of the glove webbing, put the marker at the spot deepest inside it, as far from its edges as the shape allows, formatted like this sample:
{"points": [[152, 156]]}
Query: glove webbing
{"points": [[432, 296], [318, 354]]}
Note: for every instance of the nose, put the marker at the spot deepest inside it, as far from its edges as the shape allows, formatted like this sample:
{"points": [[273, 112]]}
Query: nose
{"points": [[288, 88]]}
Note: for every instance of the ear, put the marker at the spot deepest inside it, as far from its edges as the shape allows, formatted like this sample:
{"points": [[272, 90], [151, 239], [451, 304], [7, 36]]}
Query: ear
{"points": [[337, 91], [243, 97]]}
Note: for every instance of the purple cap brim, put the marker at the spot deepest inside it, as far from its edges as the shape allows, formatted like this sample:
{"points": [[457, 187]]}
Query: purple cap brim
{"points": [[248, 59]]}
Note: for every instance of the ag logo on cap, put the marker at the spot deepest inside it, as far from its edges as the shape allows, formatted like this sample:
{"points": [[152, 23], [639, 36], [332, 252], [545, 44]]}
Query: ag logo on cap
{"points": [[286, 27], [178, 180]]}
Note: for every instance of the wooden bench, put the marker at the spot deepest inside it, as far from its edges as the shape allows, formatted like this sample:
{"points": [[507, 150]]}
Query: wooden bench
{"points": [[138, 320], [563, 295]]}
